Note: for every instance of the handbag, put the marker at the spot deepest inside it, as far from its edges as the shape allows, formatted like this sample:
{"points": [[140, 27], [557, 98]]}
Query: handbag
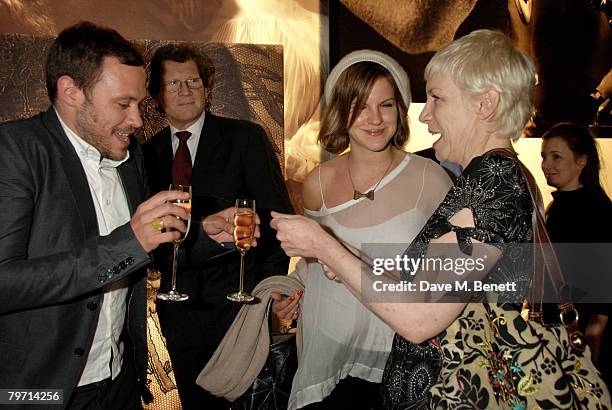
{"points": [[271, 388], [495, 358]]}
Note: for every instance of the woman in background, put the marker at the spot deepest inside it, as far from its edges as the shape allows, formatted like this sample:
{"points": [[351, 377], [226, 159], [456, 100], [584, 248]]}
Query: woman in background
{"points": [[571, 164], [373, 194], [581, 212]]}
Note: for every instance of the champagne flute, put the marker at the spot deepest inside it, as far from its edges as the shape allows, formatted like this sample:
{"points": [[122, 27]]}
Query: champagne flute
{"points": [[244, 234], [173, 295]]}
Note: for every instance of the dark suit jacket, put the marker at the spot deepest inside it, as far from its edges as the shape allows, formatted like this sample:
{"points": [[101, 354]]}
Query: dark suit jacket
{"points": [[234, 160], [53, 263]]}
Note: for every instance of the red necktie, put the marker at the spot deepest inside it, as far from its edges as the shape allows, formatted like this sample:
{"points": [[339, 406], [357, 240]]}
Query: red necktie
{"points": [[181, 166]]}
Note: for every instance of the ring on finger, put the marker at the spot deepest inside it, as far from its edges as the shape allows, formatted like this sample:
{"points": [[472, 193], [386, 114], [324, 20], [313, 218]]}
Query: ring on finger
{"points": [[158, 224]]}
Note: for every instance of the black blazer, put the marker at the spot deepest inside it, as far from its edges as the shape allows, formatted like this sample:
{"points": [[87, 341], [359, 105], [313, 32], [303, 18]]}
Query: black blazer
{"points": [[53, 263], [234, 159]]}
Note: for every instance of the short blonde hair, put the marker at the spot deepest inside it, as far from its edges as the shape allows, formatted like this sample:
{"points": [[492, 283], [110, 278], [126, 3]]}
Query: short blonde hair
{"points": [[484, 60]]}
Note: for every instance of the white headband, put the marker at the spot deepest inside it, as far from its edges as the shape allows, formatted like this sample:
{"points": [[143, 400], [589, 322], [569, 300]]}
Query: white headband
{"points": [[396, 71]]}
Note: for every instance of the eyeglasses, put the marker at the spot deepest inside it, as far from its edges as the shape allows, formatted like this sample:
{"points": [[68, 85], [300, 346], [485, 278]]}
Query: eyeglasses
{"points": [[173, 86]]}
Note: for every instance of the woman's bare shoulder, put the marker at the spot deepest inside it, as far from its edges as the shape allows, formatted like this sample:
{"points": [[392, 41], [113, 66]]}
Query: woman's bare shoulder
{"points": [[315, 182]]}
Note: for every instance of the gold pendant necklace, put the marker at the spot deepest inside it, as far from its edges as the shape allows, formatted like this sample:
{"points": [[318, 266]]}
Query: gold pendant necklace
{"points": [[370, 193]]}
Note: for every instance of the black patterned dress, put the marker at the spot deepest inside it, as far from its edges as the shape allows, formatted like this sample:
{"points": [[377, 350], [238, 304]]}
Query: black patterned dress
{"points": [[493, 188]]}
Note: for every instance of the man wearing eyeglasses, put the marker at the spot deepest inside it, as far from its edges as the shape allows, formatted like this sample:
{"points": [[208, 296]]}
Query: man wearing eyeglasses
{"points": [[226, 159]]}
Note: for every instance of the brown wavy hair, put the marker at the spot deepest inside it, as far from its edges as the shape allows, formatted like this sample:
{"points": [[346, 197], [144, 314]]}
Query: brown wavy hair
{"points": [[352, 89]]}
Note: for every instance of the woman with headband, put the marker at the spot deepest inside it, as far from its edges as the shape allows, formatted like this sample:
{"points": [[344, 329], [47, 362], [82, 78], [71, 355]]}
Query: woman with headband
{"points": [[375, 198]]}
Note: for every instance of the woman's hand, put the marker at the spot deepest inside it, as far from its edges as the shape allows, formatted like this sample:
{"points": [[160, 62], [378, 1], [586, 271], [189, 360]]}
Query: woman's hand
{"points": [[286, 307], [299, 236]]}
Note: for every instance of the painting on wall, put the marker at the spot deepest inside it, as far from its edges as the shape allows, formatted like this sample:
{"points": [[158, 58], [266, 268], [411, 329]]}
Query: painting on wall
{"points": [[569, 40]]}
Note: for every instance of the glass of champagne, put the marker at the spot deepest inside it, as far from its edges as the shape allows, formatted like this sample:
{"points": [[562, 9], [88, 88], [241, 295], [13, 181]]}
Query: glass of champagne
{"points": [[173, 295], [244, 234]]}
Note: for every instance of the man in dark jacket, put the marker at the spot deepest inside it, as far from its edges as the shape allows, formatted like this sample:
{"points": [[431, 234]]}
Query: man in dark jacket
{"points": [[227, 159], [77, 230]]}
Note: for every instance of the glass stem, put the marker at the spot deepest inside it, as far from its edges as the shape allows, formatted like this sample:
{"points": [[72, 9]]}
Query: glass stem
{"points": [[174, 262], [241, 272]]}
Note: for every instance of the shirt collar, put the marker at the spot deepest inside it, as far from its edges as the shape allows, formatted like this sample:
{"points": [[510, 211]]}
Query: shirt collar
{"points": [[86, 151], [194, 129]]}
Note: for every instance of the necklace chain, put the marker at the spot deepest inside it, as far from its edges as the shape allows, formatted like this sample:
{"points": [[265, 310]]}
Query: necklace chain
{"points": [[370, 193]]}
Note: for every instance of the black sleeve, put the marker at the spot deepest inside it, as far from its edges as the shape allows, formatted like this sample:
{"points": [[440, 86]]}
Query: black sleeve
{"points": [[264, 181], [493, 187]]}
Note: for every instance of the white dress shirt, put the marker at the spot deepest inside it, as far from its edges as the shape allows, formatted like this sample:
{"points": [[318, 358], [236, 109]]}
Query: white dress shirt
{"points": [[112, 211], [192, 143]]}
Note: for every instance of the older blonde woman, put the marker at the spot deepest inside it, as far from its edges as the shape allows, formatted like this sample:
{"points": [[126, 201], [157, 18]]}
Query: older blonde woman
{"points": [[479, 96]]}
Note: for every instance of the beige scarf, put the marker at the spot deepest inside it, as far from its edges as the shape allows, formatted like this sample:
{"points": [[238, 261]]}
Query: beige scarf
{"points": [[243, 351]]}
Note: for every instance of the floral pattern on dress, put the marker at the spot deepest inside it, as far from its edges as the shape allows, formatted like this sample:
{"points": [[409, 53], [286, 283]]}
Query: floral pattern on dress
{"points": [[492, 187], [492, 358]]}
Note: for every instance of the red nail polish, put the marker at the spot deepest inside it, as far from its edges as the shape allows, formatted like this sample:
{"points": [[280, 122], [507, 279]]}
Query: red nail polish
{"points": [[291, 298], [299, 292]]}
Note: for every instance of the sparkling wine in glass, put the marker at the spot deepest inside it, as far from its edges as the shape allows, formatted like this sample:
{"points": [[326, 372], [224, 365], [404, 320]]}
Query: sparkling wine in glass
{"points": [[173, 295], [244, 235]]}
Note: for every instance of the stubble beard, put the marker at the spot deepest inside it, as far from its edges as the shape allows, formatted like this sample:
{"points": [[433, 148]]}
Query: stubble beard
{"points": [[86, 121]]}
